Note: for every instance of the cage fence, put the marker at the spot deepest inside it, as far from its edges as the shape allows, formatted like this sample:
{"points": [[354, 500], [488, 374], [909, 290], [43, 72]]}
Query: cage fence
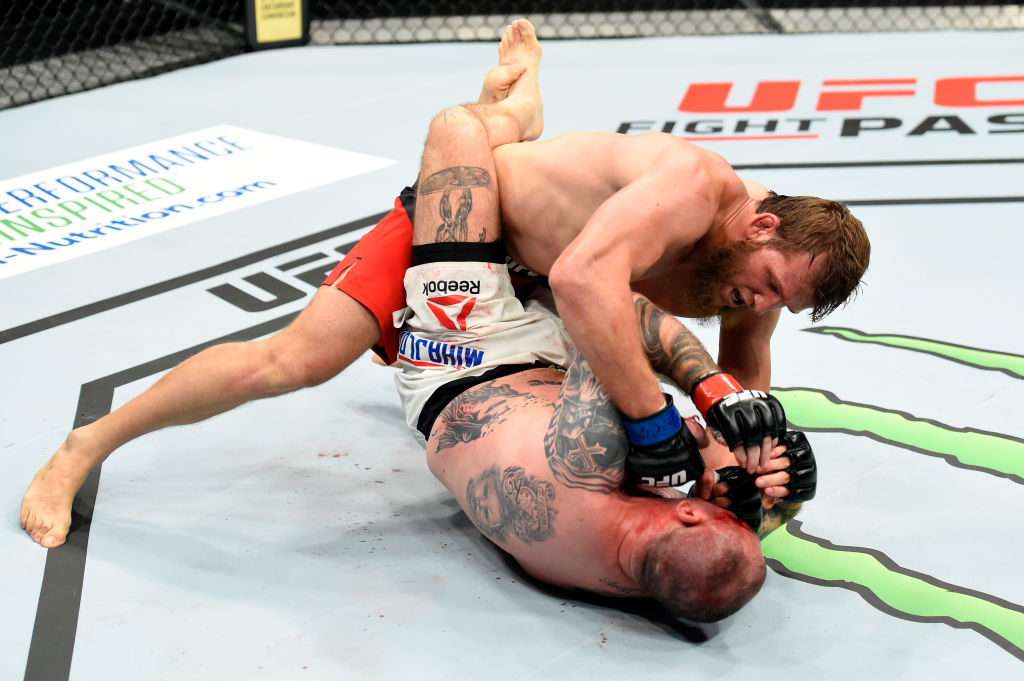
{"points": [[50, 48]]}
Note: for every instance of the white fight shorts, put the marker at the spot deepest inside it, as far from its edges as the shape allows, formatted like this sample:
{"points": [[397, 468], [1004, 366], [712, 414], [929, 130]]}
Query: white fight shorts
{"points": [[463, 319]]}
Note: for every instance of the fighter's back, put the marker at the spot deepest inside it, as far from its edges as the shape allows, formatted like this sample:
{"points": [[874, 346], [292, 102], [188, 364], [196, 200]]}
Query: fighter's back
{"points": [[550, 188], [489, 450]]}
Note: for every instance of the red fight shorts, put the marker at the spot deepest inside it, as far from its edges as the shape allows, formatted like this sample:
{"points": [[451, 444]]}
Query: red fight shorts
{"points": [[373, 272]]}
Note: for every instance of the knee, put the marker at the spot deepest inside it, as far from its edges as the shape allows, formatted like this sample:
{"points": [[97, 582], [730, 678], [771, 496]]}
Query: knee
{"points": [[290, 365], [457, 121], [275, 368]]}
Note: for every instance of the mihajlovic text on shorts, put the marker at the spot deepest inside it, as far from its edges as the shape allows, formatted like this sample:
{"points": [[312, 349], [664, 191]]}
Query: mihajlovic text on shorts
{"points": [[419, 352]]}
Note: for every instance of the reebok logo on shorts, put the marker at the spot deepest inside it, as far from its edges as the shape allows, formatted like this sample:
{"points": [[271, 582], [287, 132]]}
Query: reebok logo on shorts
{"points": [[423, 353], [451, 286], [452, 311]]}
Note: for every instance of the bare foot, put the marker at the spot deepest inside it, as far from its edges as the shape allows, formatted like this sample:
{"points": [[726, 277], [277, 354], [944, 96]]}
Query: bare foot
{"points": [[46, 506], [519, 45], [498, 81]]}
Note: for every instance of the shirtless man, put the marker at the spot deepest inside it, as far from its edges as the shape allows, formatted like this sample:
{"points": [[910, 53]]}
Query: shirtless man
{"points": [[348, 315], [503, 448], [537, 457], [720, 233]]}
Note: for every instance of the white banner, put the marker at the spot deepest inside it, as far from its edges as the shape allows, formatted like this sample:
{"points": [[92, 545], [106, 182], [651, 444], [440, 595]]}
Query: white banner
{"points": [[80, 208]]}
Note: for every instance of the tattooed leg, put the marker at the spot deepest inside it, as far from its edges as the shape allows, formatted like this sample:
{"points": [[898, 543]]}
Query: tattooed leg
{"points": [[585, 444], [670, 348], [456, 182], [455, 224], [463, 137]]}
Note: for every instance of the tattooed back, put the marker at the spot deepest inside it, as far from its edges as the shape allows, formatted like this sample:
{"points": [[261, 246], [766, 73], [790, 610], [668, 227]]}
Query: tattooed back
{"points": [[534, 459]]}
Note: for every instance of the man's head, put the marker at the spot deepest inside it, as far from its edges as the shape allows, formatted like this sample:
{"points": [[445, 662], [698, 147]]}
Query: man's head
{"points": [[828, 232], [707, 567], [795, 251]]}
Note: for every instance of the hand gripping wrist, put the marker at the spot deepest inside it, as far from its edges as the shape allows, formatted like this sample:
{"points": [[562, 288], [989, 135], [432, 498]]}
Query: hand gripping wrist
{"points": [[744, 496], [743, 417], [662, 453], [803, 470]]}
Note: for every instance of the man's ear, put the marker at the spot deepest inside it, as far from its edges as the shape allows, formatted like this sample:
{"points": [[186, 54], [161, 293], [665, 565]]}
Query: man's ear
{"points": [[762, 226], [688, 512]]}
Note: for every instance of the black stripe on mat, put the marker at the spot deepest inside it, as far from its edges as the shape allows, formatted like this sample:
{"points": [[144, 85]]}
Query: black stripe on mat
{"points": [[122, 299], [60, 596], [53, 635]]}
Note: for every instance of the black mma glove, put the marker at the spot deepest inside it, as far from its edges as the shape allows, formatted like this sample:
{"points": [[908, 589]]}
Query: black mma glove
{"points": [[803, 471], [743, 495], [663, 452], [743, 417]]}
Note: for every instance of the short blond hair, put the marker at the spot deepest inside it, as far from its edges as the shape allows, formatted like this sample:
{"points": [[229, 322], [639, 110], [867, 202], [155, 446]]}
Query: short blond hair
{"points": [[808, 224]]}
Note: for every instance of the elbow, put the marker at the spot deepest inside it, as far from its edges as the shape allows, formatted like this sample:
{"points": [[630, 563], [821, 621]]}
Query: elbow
{"points": [[568, 280], [582, 281]]}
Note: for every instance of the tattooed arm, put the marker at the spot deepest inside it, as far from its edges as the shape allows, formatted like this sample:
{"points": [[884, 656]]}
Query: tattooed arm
{"points": [[585, 443], [778, 515], [670, 348]]}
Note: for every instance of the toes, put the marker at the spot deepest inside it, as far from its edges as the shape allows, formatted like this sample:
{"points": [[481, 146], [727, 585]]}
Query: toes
{"points": [[525, 29]]}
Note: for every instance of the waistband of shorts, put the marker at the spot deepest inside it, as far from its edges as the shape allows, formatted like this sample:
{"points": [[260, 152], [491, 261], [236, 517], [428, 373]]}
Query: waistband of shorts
{"points": [[458, 251], [441, 397], [523, 274]]}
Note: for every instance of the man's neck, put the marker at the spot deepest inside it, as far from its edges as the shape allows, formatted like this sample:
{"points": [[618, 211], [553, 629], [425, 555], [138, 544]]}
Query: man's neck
{"points": [[735, 221]]}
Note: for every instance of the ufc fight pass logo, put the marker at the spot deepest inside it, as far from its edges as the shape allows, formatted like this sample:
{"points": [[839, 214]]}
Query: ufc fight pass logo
{"points": [[845, 107]]}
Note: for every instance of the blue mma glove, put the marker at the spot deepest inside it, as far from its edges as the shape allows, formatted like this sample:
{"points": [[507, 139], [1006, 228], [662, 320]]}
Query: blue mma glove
{"points": [[663, 452]]}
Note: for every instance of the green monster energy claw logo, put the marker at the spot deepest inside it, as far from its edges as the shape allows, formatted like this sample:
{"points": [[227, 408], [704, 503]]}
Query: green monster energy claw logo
{"points": [[877, 578]]}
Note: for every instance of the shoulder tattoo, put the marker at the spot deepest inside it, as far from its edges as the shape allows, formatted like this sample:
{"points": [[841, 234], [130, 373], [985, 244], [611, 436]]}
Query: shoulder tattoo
{"points": [[778, 515], [513, 502], [585, 443]]}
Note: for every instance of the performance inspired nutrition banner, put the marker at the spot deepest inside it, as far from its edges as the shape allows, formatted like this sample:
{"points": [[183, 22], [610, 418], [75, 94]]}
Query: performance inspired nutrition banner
{"points": [[87, 206]]}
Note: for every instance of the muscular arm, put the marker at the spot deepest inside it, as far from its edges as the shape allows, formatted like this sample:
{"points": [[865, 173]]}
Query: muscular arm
{"points": [[670, 347], [643, 229], [744, 350], [585, 443]]}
